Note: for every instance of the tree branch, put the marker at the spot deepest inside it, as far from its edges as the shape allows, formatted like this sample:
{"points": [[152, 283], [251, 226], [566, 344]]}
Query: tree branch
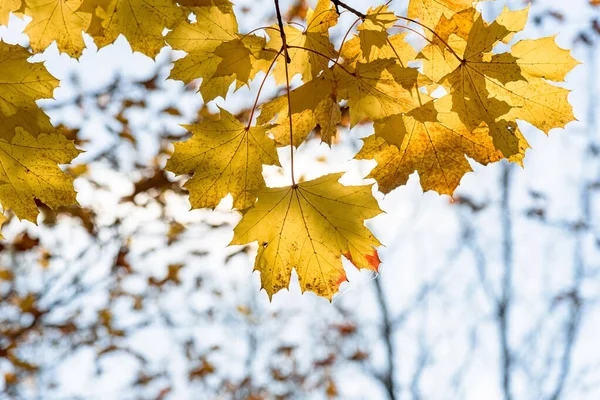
{"points": [[282, 32], [354, 11], [387, 378]]}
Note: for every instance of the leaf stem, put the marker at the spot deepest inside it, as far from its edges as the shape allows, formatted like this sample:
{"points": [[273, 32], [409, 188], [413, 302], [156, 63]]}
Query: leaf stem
{"points": [[284, 49], [289, 98], [345, 38], [261, 88]]}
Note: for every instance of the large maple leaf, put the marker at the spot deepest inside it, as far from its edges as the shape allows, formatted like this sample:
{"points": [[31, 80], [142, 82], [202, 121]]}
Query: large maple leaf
{"points": [[488, 87], [21, 84], [308, 227], [378, 89], [224, 156]]}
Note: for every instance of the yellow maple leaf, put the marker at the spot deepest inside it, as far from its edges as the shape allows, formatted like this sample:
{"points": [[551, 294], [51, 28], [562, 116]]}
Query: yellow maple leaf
{"points": [[6, 7], [57, 20], [395, 47], [429, 12], [372, 32], [378, 89], [142, 22], [30, 171], [224, 157], [217, 53], [309, 63], [542, 58], [21, 84], [308, 228], [487, 87], [430, 140], [313, 104]]}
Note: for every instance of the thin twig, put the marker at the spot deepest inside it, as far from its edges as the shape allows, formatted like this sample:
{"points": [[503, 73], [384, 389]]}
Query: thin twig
{"points": [[354, 11], [282, 32]]}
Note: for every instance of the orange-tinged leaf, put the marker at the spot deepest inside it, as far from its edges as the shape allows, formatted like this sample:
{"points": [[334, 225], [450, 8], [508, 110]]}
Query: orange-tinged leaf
{"points": [[308, 228], [430, 140]]}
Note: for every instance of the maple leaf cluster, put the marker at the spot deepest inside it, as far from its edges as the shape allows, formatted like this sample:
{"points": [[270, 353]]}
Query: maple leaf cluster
{"points": [[433, 108]]}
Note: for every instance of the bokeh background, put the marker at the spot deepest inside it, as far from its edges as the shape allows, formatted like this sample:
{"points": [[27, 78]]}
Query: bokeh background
{"points": [[491, 294]]}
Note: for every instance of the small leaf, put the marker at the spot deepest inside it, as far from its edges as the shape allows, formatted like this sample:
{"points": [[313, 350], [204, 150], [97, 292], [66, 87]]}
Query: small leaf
{"points": [[224, 157]]}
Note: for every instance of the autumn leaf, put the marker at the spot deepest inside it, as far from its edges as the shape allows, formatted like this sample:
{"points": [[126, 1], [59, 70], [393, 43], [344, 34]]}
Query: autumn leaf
{"points": [[57, 20], [142, 22], [308, 228], [373, 31], [486, 87], [395, 47], [429, 12], [30, 171], [224, 156], [430, 140], [378, 89], [21, 84], [542, 58], [313, 104], [6, 7], [309, 63], [216, 52]]}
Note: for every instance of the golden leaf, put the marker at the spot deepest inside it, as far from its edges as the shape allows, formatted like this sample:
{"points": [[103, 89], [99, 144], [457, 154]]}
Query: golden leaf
{"points": [[313, 104], [57, 20], [224, 157], [6, 7], [21, 84], [372, 32], [142, 22], [430, 140], [308, 228], [378, 89], [309, 63], [217, 53], [30, 171]]}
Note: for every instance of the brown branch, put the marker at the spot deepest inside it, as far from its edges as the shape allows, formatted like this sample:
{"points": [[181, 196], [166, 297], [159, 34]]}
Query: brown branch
{"points": [[354, 11], [282, 33]]}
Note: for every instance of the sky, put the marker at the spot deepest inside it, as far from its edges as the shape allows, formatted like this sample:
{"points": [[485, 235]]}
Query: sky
{"points": [[421, 233]]}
